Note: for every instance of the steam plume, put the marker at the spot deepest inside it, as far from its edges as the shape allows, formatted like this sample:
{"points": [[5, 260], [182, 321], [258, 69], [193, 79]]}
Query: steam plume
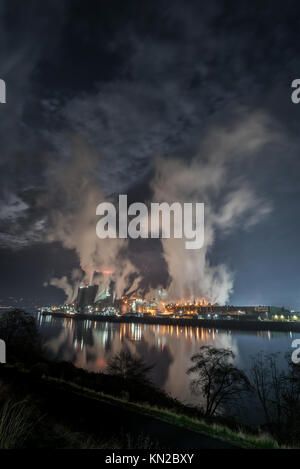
{"points": [[75, 194], [229, 202]]}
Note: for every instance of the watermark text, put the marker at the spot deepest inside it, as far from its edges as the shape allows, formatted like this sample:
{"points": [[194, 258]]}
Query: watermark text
{"points": [[175, 220]]}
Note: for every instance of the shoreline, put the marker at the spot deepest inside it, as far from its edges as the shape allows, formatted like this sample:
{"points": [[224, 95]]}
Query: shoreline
{"points": [[233, 324]]}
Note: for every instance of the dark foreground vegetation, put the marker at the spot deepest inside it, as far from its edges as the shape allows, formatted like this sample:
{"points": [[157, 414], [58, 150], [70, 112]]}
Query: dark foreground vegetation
{"points": [[49, 404]]}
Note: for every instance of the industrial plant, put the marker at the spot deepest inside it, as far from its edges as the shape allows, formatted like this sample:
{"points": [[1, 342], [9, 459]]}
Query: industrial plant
{"points": [[102, 301]]}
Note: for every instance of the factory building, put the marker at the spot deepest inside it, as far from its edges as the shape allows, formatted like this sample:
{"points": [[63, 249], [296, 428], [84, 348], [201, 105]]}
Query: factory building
{"points": [[86, 296], [105, 295]]}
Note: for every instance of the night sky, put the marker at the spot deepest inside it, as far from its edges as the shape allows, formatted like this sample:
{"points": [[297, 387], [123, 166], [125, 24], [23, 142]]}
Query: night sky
{"points": [[169, 100]]}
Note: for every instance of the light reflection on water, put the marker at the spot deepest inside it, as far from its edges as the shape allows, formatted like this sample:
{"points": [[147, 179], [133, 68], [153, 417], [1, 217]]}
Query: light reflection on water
{"points": [[90, 344]]}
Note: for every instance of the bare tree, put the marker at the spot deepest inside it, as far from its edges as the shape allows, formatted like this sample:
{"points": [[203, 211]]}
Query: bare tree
{"points": [[127, 366], [269, 383], [217, 378], [278, 392], [291, 398], [260, 380]]}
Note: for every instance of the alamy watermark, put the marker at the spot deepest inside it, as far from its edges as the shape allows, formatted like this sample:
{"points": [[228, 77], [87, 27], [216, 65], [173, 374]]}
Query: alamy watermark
{"points": [[176, 220], [2, 351], [296, 353], [2, 92]]}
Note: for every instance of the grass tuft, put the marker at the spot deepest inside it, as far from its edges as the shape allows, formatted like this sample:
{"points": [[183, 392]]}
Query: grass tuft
{"points": [[15, 424]]}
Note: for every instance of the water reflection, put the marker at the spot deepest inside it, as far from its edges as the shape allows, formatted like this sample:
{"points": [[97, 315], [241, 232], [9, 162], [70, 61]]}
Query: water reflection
{"points": [[90, 344]]}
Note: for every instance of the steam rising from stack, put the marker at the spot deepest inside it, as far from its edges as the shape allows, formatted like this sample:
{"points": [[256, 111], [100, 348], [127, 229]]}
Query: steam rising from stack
{"points": [[208, 178], [75, 194]]}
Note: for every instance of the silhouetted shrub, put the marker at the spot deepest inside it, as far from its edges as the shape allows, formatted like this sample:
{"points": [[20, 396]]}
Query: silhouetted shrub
{"points": [[21, 336]]}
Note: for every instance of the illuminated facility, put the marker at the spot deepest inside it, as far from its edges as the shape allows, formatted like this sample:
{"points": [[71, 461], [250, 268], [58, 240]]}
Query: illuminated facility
{"points": [[101, 300]]}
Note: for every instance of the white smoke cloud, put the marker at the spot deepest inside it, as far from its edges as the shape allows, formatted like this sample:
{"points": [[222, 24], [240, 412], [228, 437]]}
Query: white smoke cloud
{"points": [[209, 177], [75, 194], [63, 284], [229, 203]]}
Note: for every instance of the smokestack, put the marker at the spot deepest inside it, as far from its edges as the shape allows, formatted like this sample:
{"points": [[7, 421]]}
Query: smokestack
{"points": [[91, 277]]}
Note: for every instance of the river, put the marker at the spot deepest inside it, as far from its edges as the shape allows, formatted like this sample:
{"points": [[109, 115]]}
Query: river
{"points": [[90, 344]]}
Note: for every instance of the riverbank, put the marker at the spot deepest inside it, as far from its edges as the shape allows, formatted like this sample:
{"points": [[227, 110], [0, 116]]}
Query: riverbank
{"points": [[102, 420], [233, 324]]}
